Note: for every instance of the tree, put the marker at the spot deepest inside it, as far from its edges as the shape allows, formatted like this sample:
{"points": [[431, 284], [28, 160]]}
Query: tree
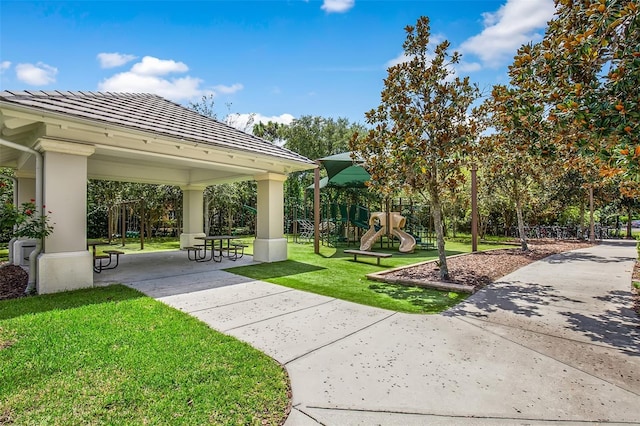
{"points": [[270, 131], [316, 137], [590, 62], [422, 130], [519, 150]]}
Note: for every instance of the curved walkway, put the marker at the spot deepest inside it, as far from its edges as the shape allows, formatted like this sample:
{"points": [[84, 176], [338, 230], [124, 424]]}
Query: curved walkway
{"points": [[554, 342]]}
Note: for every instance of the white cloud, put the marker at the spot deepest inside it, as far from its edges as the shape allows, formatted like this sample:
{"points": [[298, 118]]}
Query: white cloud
{"points": [[337, 6], [228, 90], [177, 89], [39, 74], [154, 66], [112, 60], [517, 22], [401, 58], [5, 65], [149, 76], [468, 66]]}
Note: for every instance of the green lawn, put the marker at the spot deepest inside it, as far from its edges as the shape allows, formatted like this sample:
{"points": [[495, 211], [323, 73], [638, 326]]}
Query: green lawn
{"points": [[113, 356], [132, 245], [335, 274]]}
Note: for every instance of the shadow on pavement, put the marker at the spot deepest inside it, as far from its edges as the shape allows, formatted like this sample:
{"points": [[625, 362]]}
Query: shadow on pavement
{"points": [[517, 298], [618, 327]]}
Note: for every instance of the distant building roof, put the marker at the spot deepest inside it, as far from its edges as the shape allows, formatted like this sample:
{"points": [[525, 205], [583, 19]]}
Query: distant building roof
{"points": [[149, 113]]}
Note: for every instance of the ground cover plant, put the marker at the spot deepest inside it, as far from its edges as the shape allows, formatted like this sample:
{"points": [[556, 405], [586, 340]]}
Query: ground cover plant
{"points": [[113, 356], [335, 274]]}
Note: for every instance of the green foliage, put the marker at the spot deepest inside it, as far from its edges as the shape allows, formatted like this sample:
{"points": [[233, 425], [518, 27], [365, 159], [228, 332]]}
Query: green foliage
{"points": [[25, 221], [422, 131], [589, 64], [113, 356]]}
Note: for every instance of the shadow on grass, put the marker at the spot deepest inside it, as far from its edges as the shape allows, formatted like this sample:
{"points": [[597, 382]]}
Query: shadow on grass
{"points": [[428, 300], [13, 308], [265, 271]]}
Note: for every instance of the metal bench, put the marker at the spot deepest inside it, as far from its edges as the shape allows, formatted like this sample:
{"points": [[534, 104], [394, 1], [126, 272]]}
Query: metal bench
{"points": [[99, 266], [375, 254], [235, 247], [195, 250]]}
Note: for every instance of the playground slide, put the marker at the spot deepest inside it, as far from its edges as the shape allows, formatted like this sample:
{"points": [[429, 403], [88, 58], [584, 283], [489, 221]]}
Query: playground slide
{"points": [[407, 242], [371, 236]]}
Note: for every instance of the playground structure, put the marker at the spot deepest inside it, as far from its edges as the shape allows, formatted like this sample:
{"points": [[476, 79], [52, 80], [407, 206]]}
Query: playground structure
{"points": [[380, 224], [345, 225]]}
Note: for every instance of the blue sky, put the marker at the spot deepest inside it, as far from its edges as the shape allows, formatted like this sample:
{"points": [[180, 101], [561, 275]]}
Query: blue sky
{"points": [[276, 59]]}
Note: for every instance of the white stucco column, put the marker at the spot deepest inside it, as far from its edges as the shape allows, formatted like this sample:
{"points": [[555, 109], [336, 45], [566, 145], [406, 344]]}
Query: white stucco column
{"points": [[26, 187], [270, 244], [65, 263], [192, 216]]}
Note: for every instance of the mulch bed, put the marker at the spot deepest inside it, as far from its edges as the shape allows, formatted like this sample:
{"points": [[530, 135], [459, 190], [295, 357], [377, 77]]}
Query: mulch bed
{"points": [[13, 282], [480, 269]]}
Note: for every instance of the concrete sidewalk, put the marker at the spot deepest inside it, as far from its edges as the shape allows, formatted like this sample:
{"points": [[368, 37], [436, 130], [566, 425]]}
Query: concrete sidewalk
{"points": [[553, 343]]}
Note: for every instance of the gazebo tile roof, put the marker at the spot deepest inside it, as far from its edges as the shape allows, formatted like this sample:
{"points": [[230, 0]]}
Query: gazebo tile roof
{"points": [[149, 113]]}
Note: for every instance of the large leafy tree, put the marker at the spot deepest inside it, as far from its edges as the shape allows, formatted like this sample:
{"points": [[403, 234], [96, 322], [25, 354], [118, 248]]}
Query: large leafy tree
{"points": [[422, 129], [590, 62], [314, 137]]}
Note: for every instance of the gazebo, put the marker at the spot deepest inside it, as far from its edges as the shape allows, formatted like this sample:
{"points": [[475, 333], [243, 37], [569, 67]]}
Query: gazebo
{"points": [[57, 140]]}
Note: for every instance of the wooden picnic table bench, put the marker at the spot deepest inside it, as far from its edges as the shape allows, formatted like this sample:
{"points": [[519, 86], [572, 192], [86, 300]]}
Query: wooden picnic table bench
{"points": [[375, 254]]}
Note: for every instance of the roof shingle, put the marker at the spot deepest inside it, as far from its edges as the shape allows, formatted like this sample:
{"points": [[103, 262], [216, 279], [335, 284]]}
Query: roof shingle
{"points": [[149, 113]]}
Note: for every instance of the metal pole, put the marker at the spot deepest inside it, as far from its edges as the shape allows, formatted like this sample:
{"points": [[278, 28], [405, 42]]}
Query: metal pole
{"points": [[316, 210], [474, 209]]}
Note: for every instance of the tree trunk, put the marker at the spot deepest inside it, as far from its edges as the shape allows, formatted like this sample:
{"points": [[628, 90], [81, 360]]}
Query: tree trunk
{"points": [[521, 231], [581, 225], [629, 211], [592, 231], [437, 224]]}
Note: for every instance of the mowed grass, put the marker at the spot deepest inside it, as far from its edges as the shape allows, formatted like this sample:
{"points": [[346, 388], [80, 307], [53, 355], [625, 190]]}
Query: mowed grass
{"points": [[132, 245], [113, 356], [334, 273]]}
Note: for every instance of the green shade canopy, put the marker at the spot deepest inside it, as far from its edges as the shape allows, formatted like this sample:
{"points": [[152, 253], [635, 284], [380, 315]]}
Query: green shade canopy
{"points": [[343, 172]]}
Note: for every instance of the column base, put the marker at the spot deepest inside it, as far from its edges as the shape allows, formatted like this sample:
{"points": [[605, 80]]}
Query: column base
{"points": [[64, 271], [20, 250], [189, 240], [270, 250]]}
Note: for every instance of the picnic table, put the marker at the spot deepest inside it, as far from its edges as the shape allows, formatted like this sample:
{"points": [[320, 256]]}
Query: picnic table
{"points": [[103, 261], [198, 252]]}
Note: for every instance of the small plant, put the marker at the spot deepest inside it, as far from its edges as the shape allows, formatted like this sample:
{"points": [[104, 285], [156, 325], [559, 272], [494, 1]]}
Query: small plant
{"points": [[27, 222]]}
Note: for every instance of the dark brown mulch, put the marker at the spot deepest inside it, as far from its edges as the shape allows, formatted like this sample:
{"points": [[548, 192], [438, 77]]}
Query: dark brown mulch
{"points": [[480, 269], [13, 282]]}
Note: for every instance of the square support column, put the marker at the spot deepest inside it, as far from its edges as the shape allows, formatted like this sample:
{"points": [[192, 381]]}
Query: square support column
{"points": [[192, 216], [270, 244], [26, 189], [65, 263]]}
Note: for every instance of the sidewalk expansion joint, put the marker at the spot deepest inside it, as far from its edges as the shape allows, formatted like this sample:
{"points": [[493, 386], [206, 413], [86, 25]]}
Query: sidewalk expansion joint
{"points": [[279, 315], [459, 416], [547, 355], [340, 338], [297, 408], [241, 301]]}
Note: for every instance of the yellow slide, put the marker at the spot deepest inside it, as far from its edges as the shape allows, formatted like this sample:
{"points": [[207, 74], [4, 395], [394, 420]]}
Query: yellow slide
{"points": [[378, 228], [371, 236]]}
